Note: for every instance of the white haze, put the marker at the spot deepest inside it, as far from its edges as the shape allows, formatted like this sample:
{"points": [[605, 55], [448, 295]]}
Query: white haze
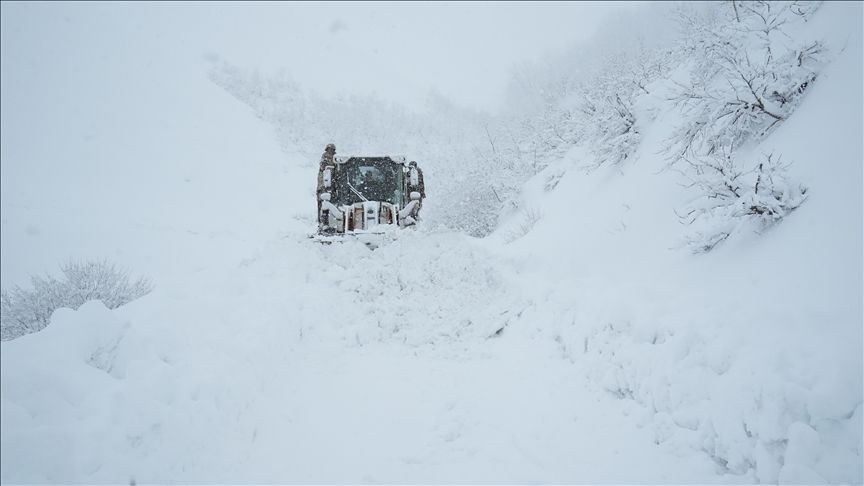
{"points": [[398, 50]]}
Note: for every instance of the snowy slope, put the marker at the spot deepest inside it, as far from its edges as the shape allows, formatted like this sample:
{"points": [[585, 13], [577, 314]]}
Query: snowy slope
{"points": [[752, 353], [587, 351]]}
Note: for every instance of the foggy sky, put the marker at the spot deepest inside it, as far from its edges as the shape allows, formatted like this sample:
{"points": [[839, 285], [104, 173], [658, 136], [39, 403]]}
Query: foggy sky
{"points": [[399, 51]]}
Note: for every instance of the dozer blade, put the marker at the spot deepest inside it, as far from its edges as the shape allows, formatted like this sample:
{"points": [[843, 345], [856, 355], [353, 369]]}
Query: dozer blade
{"points": [[370, 239]]}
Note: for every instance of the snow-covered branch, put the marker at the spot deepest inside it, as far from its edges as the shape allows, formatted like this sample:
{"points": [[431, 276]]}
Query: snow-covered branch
{"points": [[730, 195], [747, 77], [24, 311]]}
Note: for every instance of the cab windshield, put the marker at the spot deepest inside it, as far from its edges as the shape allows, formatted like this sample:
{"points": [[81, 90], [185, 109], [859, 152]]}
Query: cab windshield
{"points": [[375, 181]]}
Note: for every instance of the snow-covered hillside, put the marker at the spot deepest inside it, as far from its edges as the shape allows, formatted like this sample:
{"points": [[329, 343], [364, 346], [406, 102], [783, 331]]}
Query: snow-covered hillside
{"points": [[581, 342], [751, 353]]}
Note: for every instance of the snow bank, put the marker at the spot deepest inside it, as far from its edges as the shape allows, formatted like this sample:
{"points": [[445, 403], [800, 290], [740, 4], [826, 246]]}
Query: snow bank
{"points": [[103, 396], [48, 379]]}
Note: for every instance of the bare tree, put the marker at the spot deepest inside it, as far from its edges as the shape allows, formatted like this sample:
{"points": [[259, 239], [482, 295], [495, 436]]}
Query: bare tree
{"points": [[746, 77], [729, 195], [24, 311]]}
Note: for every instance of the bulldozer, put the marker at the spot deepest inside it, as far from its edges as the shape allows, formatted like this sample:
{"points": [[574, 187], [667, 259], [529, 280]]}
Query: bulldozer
{"points": [[361, 195]]}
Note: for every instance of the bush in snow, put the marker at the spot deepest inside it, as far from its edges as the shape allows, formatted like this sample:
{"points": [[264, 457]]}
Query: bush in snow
{"points": [[747, 76], [24, 311], [731, 195], [523, 223], [590, 95], [607, 108], [612, 125]]}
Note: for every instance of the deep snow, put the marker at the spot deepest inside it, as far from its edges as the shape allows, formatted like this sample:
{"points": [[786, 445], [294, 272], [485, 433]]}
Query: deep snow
{"points": [[300, 392], [589, 350]]}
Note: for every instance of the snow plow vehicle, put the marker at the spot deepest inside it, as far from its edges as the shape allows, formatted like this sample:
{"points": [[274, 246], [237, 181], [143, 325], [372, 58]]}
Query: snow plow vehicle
{"points": [[368, 195]]}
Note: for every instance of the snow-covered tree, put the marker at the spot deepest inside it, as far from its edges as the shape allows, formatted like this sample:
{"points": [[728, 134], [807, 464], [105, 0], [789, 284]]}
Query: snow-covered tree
{"points": [[24, 311], [587, 96], [730, 195], [747, 75], [609, 118], [609, 122]]}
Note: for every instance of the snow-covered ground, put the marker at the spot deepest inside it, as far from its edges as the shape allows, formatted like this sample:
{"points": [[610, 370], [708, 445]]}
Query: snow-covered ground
{"points": [[588, 350], [322, 365]]}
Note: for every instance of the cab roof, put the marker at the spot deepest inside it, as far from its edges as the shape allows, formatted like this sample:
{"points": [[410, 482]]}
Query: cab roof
{"points": [[396, 159]]}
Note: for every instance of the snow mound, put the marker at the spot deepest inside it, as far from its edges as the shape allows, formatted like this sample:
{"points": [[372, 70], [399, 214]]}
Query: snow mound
{"points": [[420, 288], [48, 379]]}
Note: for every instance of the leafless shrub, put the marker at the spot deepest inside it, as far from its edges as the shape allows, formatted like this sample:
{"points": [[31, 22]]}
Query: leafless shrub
{"points": [[24, 311], [747, 76], [524, 223], [730, 195]]}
